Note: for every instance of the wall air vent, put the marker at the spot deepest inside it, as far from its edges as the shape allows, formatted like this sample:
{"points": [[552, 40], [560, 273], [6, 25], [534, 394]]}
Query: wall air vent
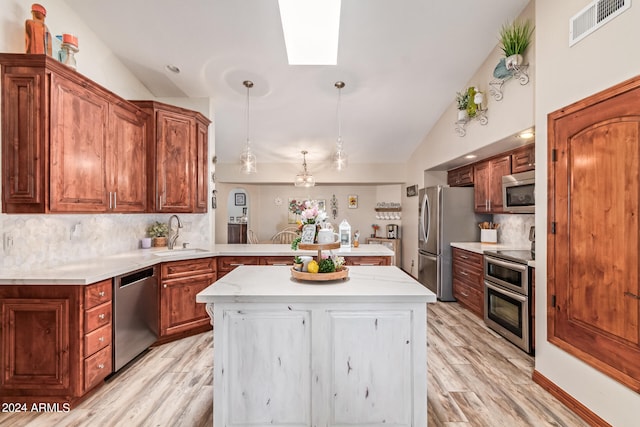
{"points": [[594, 16]]}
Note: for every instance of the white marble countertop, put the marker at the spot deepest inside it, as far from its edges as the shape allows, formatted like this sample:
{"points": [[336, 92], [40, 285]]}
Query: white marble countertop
{"points": [[479, 248], [94, 270], [256, 283]]}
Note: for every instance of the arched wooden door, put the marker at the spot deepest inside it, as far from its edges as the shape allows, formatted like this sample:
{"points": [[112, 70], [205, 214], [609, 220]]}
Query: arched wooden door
{"points": [[593, 241]]}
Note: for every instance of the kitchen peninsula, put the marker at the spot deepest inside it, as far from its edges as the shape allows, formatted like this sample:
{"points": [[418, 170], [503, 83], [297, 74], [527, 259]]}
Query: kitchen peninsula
{"points": [[58, 327], [290, 352]]}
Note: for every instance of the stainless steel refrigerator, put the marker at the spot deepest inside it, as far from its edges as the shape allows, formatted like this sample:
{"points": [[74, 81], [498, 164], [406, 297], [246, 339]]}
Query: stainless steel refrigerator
{"points": [[446, 215]]}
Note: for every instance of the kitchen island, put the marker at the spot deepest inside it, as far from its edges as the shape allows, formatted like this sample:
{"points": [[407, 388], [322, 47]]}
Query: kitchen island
{"points": [[294, 353]]}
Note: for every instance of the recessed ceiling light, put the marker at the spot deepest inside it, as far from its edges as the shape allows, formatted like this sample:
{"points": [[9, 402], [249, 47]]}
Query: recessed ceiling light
{"points": [[528, 134], [470, 156], [173, 68], [311, 29]]}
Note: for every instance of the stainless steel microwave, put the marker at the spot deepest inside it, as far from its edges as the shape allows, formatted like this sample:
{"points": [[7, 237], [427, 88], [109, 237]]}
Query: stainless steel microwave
{"points": [[518, 192]]}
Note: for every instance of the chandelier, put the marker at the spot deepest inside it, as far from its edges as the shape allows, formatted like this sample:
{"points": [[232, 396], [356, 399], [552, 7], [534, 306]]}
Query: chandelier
{"points": [[247, 158], [304, 178], [339, 158]]}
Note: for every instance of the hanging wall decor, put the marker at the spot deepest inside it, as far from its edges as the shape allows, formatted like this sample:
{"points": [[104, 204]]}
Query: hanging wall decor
{"points": [[334, 206]]}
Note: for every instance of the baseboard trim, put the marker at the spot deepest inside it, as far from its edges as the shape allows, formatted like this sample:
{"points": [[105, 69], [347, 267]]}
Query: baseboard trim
{"points": [[569, 401]]}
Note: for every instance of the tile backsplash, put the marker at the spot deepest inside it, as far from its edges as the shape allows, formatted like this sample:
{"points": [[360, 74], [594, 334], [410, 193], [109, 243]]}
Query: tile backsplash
{"points": [[42, 241], [514, 229]]}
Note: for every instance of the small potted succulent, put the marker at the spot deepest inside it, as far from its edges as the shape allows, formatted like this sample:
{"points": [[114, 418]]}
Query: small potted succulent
{"points": [[158, 231], [514, 40], [297, 263]]}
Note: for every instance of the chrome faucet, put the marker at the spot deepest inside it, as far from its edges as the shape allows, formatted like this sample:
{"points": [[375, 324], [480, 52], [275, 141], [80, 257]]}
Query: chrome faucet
{"points": [[171, 238]]}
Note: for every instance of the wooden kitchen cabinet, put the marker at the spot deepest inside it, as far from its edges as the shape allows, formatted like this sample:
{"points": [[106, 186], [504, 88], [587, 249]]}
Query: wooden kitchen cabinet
{"points": [[460, 177], [367, 260], [488, 183], [468, 282], [177, 141], [180, 315], [68, 144], [56, 341], [523, 159], [228, 263]]}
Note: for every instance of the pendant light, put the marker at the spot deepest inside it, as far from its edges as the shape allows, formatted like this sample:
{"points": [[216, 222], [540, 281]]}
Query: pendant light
{"points": [[304, 178], [339, 158], [247, 158]]}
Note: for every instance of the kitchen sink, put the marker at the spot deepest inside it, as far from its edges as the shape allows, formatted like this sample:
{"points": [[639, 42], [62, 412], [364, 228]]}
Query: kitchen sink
{"points": [[179, 251]]}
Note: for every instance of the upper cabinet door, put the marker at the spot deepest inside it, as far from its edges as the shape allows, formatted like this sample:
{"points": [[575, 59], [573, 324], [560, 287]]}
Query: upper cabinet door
{"points": [[23, 149], [78, 149], [128, 160], [201, 164], [175, 149]]}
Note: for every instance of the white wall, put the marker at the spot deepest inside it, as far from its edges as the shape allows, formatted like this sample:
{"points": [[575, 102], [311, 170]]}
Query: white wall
{"points": [[565, 75], [45, 240]]}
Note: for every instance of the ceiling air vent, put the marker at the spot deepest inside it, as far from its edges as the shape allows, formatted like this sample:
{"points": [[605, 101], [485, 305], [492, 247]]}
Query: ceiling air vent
{"points": [[594, 16]]}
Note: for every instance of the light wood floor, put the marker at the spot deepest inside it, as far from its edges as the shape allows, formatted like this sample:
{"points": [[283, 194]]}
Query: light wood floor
{"points": [[476, 378]]}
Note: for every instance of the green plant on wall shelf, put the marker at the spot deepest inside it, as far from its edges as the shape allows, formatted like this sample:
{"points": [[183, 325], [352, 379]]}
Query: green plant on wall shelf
{"points": [[514, 41]]}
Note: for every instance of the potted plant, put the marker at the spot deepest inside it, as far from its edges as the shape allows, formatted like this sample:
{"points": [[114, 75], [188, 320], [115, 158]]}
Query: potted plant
{"points": [[462, 100], [297, 263], [158, 231], [514, 40]]}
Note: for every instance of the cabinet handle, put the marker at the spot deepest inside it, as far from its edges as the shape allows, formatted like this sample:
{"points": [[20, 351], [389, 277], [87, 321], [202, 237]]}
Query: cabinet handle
{"points": [[101, 366], [280, 264], [109, 200], [463, 257], [101, 294], [101, 339], [236, 265], [164, 285], [463, 294], [364, 264], [115, 200], [101, 316], [463, 273]]}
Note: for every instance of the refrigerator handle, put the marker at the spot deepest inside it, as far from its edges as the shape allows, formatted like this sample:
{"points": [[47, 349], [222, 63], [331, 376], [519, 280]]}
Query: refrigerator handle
{"points": [[421, 227], [426, 211]]}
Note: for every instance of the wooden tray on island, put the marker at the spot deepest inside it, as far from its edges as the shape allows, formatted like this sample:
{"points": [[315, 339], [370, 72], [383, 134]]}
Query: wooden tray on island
{"points": [[320, 277]]}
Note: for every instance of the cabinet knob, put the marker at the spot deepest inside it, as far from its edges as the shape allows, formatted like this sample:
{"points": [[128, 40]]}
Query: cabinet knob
{"points": [[101, 366], [164, 285], [101, 339], [101, 316], [101, 294]]}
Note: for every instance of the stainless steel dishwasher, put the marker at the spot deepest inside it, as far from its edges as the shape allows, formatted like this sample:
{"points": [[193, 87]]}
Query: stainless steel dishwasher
{"points": [[135, 314]]}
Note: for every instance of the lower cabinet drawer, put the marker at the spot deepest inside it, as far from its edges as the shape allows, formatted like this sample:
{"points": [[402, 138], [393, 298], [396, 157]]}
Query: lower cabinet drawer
{"points": [[97, 367], [468, 297], [95, 340], [97, 316]]}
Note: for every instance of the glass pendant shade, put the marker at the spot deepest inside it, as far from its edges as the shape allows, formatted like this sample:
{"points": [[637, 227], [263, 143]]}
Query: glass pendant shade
{"points": [[248, 161], [339, 158], [247, 158], [304, 178]]}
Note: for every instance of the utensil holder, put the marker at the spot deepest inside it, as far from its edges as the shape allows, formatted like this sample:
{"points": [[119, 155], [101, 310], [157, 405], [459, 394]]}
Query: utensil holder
{"points": [[488, 236]]}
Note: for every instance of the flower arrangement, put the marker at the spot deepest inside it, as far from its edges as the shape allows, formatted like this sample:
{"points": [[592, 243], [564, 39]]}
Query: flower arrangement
{"points": [[310, 213], [375, 227]]}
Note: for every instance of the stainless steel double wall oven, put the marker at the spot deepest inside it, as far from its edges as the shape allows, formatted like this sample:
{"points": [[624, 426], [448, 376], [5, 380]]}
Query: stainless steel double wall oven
{"points": [[507, 288]]}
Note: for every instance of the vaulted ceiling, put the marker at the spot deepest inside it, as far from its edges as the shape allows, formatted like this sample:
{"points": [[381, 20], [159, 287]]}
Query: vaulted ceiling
{"points": [[402, 62]]}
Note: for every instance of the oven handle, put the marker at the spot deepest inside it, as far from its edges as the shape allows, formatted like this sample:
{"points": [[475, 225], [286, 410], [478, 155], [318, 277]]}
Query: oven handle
{"points": [[513, 266], [515, 296]]}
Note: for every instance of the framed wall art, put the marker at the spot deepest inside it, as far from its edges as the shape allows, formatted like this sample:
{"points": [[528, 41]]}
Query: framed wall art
{"points": [[412, 190], [353, 201], [241, 199]]}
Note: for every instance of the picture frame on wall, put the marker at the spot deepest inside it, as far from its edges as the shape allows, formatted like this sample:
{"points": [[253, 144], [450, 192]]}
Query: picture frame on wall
{"points": [[353, 201], [241, 199], [412, 190]]}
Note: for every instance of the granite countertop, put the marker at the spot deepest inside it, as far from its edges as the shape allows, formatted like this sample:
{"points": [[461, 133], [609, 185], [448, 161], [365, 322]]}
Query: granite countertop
{"points": [[90, 271], [479, 248], [257, 283]]}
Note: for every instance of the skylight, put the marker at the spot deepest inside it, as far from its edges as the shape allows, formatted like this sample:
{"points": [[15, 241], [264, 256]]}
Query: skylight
{"points": [[311, 29]]}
